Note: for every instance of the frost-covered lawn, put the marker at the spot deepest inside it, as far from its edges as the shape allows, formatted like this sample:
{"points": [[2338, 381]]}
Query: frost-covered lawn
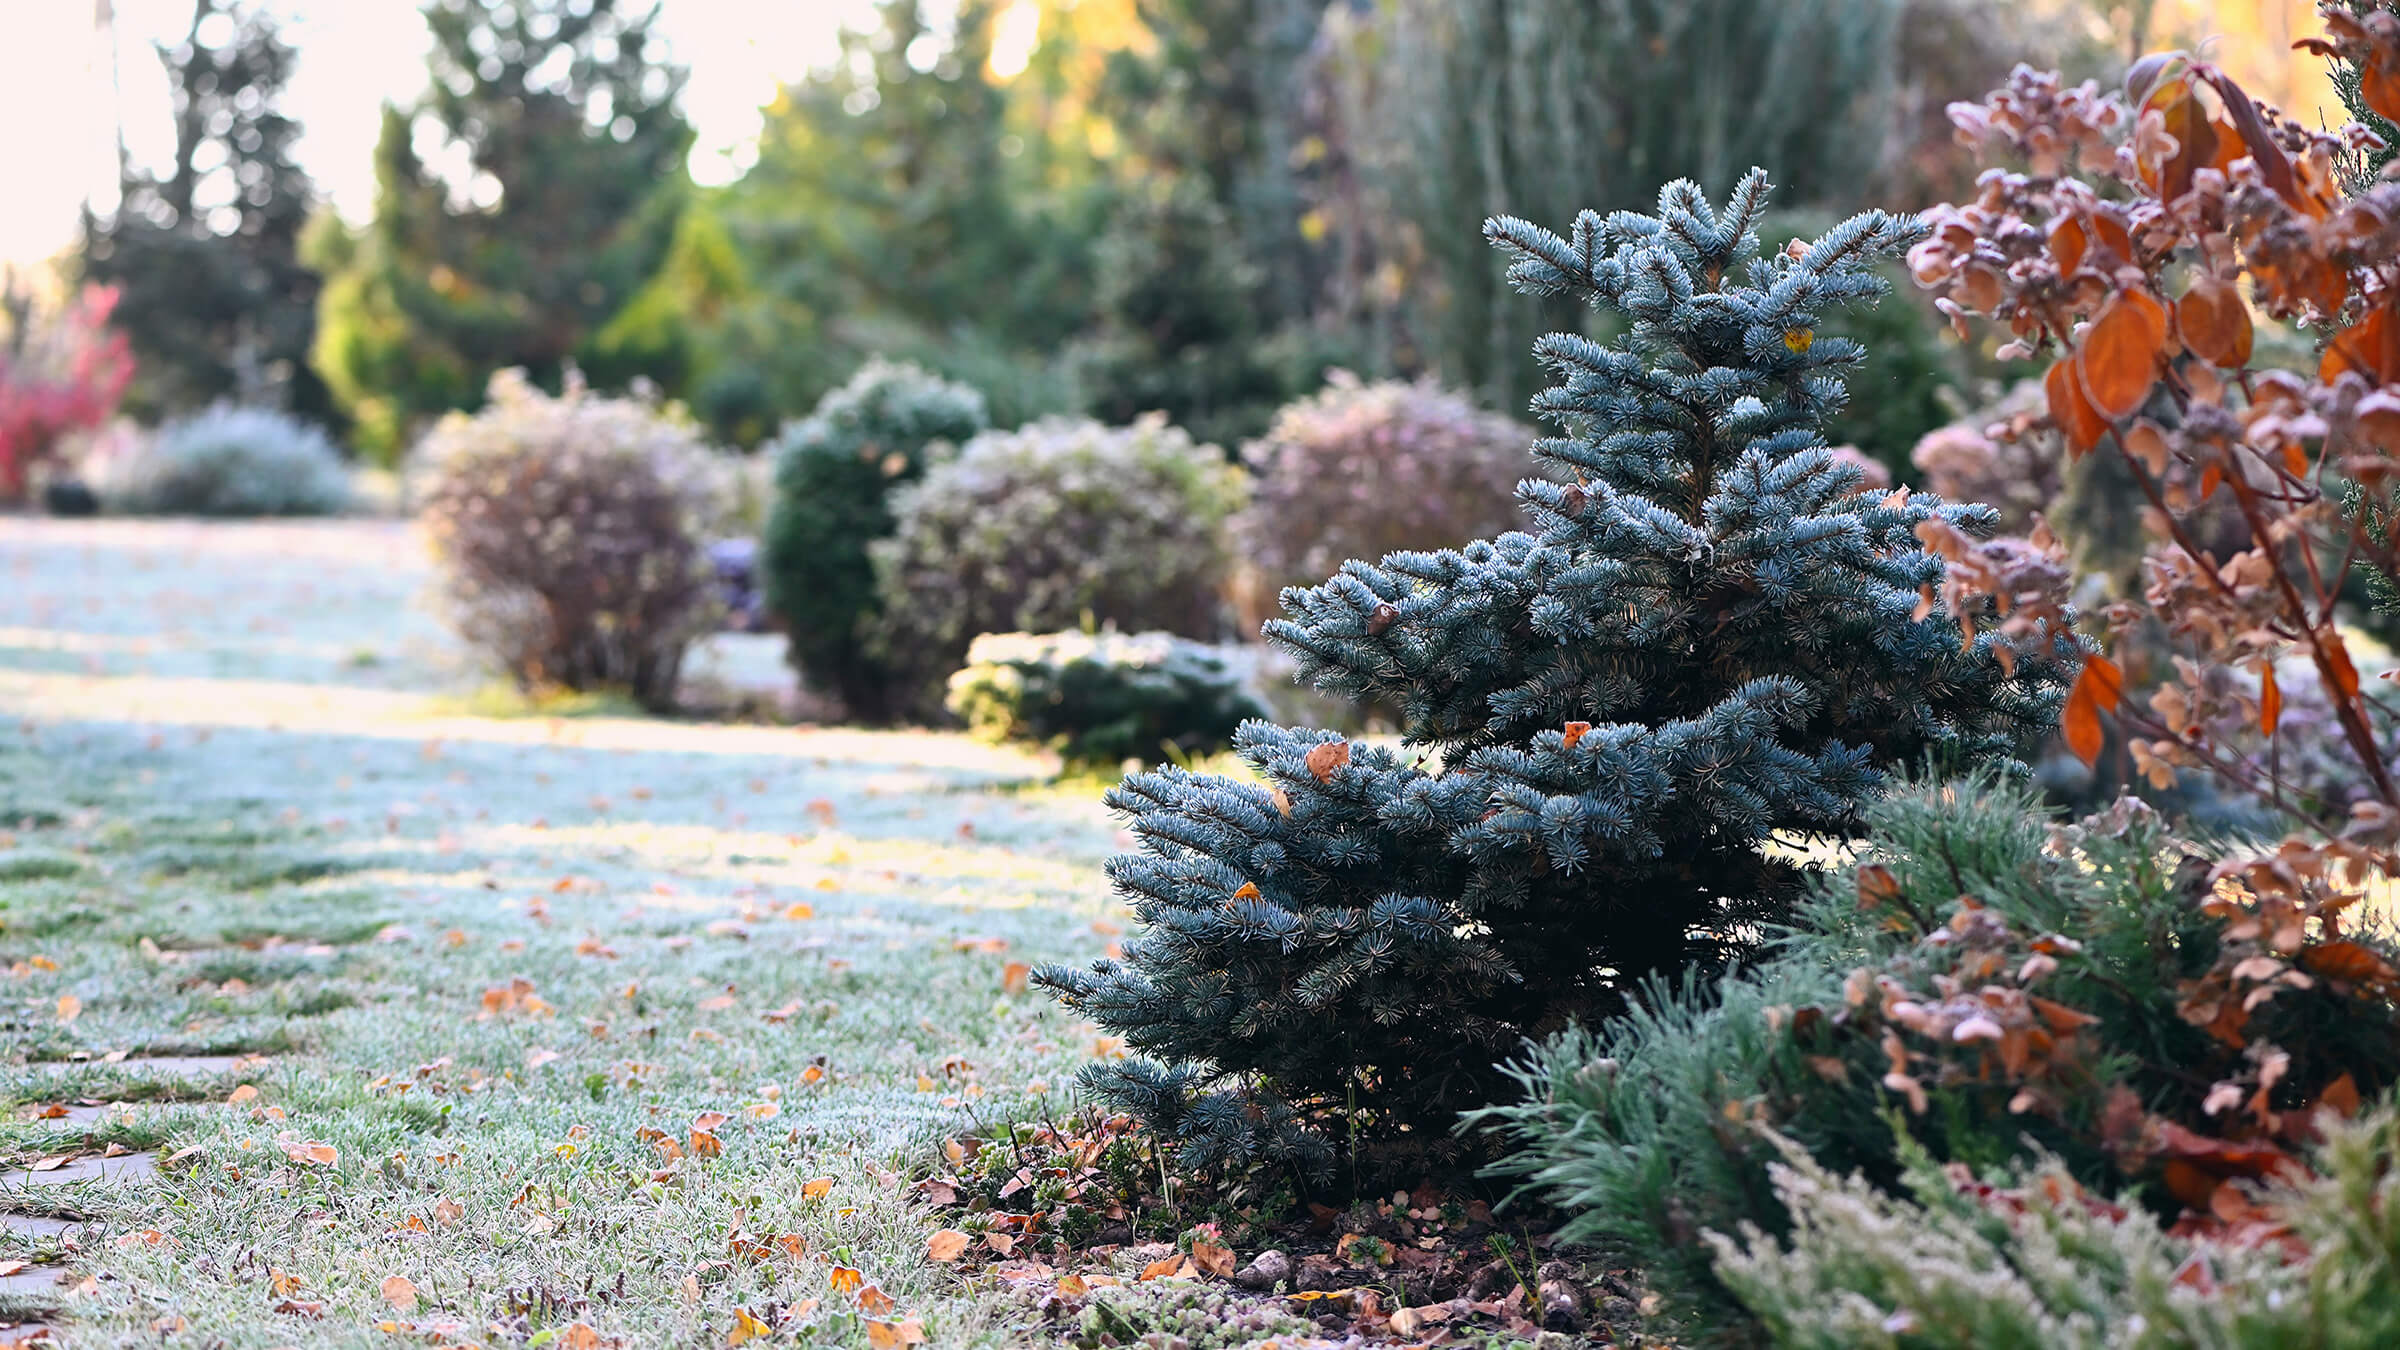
{"points": [[497, 968]]}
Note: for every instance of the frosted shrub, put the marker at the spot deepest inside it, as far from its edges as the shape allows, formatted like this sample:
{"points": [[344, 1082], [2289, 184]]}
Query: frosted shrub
{"points": [[835, 473], [572, 536], [1101, 698], [1362, 470], [230, 461], [1061, 524], [2036, 1260]]}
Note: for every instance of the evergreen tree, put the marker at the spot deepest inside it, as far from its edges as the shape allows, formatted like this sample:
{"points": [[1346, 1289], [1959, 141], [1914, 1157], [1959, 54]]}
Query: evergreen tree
{"points": [[205, 258], [891, 189], [1545, 106], [549, 203], [1707, 648]]}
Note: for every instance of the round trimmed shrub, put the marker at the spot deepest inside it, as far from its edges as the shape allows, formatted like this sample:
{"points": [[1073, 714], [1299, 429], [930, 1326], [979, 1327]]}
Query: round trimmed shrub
{"points": [[572, 535], [231, 461], [1060, 524], [835, 472], [1361, 470]]}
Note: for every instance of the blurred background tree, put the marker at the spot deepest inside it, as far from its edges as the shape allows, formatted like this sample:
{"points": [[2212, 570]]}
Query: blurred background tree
{"points": [[520, 204], [205, 256]]}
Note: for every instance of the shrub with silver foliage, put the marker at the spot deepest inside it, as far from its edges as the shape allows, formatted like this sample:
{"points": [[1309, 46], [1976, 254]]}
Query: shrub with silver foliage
{"points": [[231, 461], [572, 536], [1100, 698], [1060, 524], [2036, 1261]]}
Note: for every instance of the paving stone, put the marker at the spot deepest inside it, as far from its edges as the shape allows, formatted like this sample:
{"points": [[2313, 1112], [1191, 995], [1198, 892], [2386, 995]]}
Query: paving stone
{"points": [[39, 1225], [32, 1282], [125, 1167], [181, 1066]]}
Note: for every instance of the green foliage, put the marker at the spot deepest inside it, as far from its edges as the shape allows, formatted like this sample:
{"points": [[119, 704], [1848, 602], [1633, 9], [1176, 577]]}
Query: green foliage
{"points": [[1707, 641], [2031, 1260], [835, 473], [1205, 279], [1653, 1130], [1101, 698], [1056, 525], [231, 461], [892, 209], [1360, 470], [206, 259], [1177, 1313], [571, 534], [573, 147], [1542, 107]]}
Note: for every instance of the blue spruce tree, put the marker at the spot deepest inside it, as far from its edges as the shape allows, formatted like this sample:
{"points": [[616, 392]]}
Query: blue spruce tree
{"points": [[1706, 648]]}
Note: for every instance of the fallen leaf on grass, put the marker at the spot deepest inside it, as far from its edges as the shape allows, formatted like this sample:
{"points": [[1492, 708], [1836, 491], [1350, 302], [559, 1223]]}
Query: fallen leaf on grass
{"points": [[946, 1245], [241, 1094], [1168, 1268], [890, 1335], [310, 1152], [747, 1328], [147, 1237], [50, 1164], [810, 1190], [1213, 1259], [292, 1307], [400, 1293], [874, 1300], [1014, 976], [845, 1279], [69, 1008]]}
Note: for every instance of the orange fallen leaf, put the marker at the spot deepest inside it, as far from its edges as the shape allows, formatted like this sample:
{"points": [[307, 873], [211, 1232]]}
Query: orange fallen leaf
{"points": [[242, 1094], [947, 1245], [1014, 976], [1213, 1259], [401, 1293], [1163, 1268], [892, 1335], [846, 1279], [872, 1299], [813, 1189], [69, 1008]]}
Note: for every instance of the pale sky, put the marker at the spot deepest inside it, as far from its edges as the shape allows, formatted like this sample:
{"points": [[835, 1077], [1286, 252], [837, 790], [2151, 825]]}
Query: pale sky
{"points": [[354, 55]]}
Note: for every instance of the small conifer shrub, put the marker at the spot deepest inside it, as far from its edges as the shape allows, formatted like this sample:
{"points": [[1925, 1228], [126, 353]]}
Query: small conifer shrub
{"points": [[1102, 698], [1706, 639], [835, 473]]}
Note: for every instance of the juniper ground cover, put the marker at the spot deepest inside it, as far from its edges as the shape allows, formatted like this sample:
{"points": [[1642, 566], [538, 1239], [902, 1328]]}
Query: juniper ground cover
{"points": [[544, 1020]]}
